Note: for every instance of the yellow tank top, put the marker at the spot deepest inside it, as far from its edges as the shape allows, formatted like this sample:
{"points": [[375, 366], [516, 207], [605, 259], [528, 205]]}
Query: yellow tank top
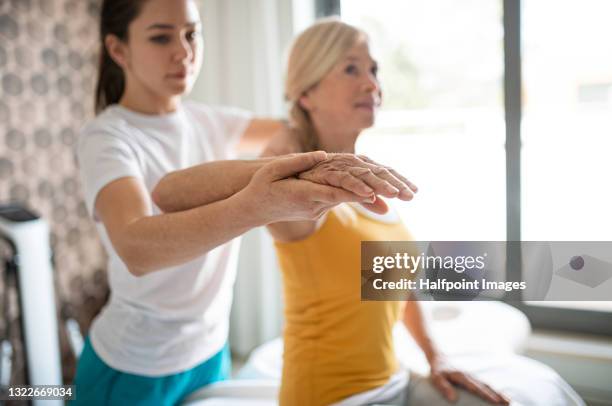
{"points": [[335, 345]]}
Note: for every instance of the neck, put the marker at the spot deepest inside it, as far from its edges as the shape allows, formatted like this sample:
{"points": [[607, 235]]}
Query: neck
{"points": [[336, 140], [143, 100]]}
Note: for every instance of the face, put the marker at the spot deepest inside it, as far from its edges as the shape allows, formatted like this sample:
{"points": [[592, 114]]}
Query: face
{"points": [[163, 53], [346, 99]]}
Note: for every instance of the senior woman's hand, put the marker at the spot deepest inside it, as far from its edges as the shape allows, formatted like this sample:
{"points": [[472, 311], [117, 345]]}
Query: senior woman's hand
{"points": [[444, 377], [281, 197], [362, 176]]}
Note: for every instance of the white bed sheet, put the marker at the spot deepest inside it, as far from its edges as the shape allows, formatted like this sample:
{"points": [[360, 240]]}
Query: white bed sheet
{"points": [[482, 338]]}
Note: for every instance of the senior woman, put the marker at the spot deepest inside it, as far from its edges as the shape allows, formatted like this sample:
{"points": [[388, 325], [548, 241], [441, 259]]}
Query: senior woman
{"points": [[338, 349]]}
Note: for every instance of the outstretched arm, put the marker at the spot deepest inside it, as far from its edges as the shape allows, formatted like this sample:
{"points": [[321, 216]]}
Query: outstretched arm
{"points": [[214, 181], [203, 184], [148, 243]]}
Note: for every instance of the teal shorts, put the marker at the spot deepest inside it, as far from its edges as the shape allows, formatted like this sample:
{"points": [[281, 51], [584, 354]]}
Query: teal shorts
{"points": [[98, 384]]}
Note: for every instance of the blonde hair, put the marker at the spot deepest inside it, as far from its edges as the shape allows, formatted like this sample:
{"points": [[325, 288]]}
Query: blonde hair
{"points": [[313, 54]]}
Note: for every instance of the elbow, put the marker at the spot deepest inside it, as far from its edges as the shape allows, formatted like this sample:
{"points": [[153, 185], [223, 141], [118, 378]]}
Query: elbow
{"points": [[135, 266], [158, 198], [134, 252], [137, 262], [140, 268], [137, 271], [164, 197]]}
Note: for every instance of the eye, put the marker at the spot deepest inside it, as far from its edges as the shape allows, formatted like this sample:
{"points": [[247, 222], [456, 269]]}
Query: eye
{"points": [[374, 70], [160, 39], [191, 35], [351, 69]]}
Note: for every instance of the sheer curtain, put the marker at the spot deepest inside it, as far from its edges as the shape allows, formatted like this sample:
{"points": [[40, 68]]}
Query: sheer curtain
{"points": [[244, 54]]}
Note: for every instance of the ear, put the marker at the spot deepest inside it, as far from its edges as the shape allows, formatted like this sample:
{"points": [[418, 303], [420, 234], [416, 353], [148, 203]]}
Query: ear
{"points": [[116, 49], [306, 102]]}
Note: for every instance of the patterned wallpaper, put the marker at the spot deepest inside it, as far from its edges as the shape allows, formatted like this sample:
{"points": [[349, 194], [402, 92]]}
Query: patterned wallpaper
{"points": [[48, 58]]}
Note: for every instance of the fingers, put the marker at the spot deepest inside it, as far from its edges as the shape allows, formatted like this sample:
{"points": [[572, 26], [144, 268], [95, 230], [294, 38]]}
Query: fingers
{"points": [[504, 400], [386, 174], [412, 188], [476, 387], [378, 183], [288, 166], [406, 188], [445, 387], [343, 180], [360, 175], [333, 195], [379, 206]]}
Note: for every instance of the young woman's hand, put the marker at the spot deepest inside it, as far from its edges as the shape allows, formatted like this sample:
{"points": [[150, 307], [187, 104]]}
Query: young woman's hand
{"points": [[444, 377], [274, 194], [361, 176]]}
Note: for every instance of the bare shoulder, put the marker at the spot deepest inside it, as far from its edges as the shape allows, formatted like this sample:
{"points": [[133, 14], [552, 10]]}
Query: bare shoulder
{"points": [[287, 141]]}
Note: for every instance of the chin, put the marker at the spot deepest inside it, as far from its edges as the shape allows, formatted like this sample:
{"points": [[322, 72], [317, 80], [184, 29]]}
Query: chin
{"points": [[366, 123], [177, 90], [363, 121]]}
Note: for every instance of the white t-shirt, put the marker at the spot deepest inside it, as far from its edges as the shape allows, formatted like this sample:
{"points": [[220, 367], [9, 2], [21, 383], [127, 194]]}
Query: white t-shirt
{"points": [[173, 319]]}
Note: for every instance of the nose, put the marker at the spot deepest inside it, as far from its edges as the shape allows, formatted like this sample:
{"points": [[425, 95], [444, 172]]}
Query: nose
{"points": [[184, 51], [370, 84]]}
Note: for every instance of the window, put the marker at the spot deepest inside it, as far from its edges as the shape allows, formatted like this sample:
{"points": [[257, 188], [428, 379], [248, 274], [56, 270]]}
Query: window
{"points": [[442, 119], [566, 126], [458, 88]]}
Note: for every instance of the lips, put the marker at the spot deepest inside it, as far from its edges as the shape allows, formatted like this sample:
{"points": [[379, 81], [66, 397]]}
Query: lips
{"points": [[368, 105], [178, 75]]}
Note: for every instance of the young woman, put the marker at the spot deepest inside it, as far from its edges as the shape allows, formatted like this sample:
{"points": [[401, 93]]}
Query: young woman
{"points": [[338, 349], [163, 333]]}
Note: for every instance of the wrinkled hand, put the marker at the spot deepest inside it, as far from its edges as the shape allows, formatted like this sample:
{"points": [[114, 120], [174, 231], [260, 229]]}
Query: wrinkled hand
{"points": [[444, 377], [362, 176], [282, 197]]}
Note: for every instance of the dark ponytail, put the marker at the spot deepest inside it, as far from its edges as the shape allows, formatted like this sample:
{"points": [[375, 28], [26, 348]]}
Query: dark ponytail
{"points": [[115, 17]]}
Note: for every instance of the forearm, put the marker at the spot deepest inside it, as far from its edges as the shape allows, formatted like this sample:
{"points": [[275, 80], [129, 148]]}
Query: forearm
{"points": [[204, 184], [156, 242], [415, 323]]}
